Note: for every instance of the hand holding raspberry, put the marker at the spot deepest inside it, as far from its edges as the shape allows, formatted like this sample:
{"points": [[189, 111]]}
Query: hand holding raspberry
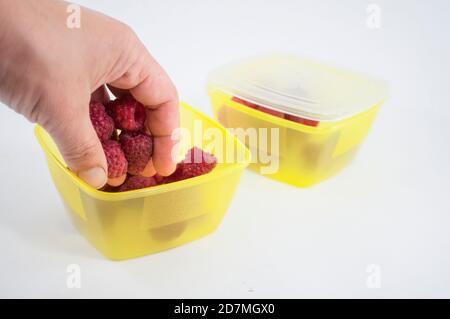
{"points": [[49, 73]]}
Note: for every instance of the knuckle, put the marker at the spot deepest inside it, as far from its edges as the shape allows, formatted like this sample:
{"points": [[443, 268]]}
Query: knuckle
{"points": [[131, 76], [127, 49]]}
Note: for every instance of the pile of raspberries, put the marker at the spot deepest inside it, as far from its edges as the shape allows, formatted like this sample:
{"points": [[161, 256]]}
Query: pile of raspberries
{"points": [[289, 117], [120, 126]]}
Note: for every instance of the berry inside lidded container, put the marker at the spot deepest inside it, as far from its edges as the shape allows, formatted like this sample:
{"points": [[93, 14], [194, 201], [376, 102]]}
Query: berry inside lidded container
{"points": [[302, 120]]}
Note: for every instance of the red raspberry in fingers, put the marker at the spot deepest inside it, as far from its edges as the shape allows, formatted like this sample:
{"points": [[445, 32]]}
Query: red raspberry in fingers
{"points": [[138, 149], [136, 182], [117, 163], [101, 121], [196, 163], [127, 113]]}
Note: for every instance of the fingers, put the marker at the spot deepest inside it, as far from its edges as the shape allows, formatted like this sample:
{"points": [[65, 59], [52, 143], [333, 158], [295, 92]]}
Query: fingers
{"points": [[161, 121], [149, 169], [150, 85], [72, 131]]}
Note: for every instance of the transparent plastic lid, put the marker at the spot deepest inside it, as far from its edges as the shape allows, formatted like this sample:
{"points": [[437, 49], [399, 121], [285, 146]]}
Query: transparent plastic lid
{"points": [[299, 86]]}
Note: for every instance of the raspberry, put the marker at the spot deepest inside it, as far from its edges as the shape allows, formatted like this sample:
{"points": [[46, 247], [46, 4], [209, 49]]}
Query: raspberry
{"points": [[288, 117], [196, 163], [136, 182], [301, 120], [271, 112], [128, 114], [258, 107], [159, 179], [109, 189], [198, 156], [246, 103], [117, 163], [138, 149], [101, 121]]}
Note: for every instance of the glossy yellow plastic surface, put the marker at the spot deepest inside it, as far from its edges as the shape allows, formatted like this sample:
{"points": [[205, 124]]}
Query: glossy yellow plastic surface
{"points": [[307, 155], [140, 222]]}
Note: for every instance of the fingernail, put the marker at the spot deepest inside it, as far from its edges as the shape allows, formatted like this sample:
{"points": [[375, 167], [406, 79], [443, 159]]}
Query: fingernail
{"points": [[96, 176]]}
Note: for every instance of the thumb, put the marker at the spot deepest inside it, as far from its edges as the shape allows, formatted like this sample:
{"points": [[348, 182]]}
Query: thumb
{"points": [[79, 145]]}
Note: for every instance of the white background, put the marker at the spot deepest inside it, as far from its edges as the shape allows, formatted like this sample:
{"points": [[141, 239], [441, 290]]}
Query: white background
{"points": [[391, 207]]}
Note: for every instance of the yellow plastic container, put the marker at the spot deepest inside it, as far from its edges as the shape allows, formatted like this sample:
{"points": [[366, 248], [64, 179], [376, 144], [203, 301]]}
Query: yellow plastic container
{"points": [[341, 103], [140, 222]]}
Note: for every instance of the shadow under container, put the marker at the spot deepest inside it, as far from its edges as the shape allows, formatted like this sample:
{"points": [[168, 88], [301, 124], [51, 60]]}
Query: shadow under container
{"points": [[316, 114], [145, 221]]}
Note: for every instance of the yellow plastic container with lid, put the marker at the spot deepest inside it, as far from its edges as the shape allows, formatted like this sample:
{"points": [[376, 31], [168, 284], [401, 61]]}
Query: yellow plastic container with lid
{"points": [[316, 114], [140, 222]]}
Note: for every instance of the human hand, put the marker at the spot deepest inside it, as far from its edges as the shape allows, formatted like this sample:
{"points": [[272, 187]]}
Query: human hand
{"points": [[49, 73]]}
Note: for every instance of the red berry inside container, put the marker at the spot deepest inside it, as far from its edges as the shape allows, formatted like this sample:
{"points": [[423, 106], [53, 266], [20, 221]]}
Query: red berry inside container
{"points": [[244, 102], [136, 182], [289, 117], [138, 150], [271, 112], [117, 163], [301, 120], [127, 113], [197, 162], [101, 121]]}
